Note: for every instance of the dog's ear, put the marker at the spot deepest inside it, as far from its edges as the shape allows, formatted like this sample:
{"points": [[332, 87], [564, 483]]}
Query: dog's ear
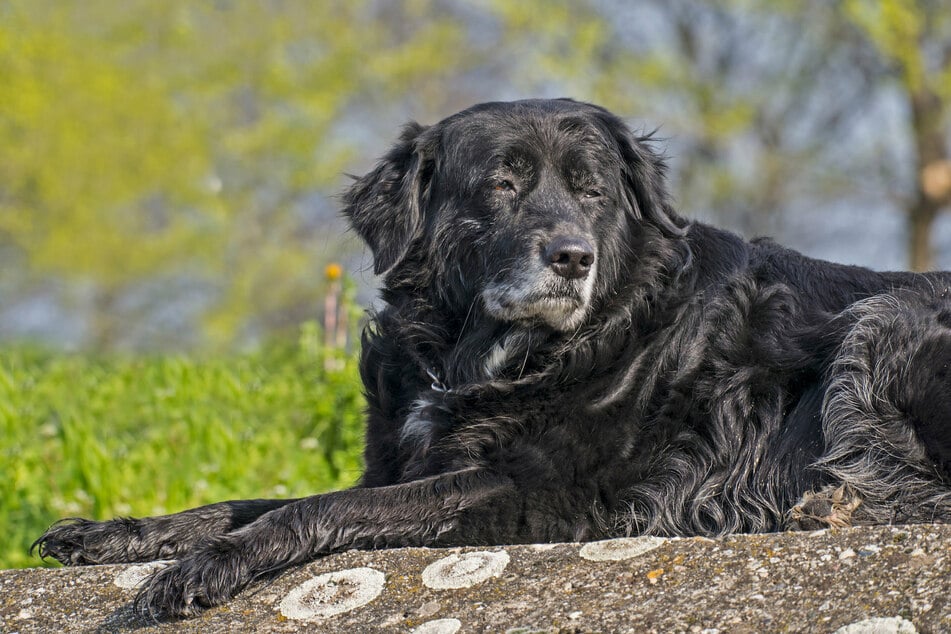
{"points": [[385, 207], [645, 179]]}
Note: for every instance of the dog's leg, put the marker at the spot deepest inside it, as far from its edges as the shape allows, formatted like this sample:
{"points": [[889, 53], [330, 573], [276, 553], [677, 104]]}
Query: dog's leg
{"points": [[927, 399], [463, 507], [885, 416], [125, 540]]}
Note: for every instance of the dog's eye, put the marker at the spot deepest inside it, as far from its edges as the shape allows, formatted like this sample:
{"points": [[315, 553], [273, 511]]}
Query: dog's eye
{"points": [[504, 185], [591, 194]]}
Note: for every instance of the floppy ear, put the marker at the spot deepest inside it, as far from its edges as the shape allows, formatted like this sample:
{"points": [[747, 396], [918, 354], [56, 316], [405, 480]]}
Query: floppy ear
{"points": [[385, 206], [645, 179]]}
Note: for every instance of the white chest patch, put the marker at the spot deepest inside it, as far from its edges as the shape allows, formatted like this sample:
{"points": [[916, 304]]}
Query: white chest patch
{"points": [[496, 359], [417, 428]]}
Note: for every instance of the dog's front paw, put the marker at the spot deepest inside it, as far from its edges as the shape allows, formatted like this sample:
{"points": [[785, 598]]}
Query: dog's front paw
{"points": [[208, 578], [75, 542]]}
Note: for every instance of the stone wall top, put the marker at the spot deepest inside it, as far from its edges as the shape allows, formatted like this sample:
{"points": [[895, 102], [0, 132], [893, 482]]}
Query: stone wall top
{"points": [[882, 579]]}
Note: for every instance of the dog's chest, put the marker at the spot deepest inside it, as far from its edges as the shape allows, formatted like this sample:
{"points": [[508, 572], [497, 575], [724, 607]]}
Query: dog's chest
{"points": [[548, 420]]}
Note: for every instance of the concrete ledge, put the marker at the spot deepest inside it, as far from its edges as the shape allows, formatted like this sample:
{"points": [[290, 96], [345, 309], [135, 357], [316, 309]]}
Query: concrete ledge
{"points": [[883, 579]]}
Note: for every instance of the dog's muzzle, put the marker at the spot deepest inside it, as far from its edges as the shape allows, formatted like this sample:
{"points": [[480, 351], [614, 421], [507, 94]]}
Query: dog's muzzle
{"points": [[552, 283]]}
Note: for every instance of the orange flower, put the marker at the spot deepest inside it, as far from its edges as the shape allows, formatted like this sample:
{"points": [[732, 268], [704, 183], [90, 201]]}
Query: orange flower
{"points": [[333, 271]]}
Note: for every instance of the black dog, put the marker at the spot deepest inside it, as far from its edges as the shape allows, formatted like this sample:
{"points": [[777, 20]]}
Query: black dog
{"points": [[563, 357]]}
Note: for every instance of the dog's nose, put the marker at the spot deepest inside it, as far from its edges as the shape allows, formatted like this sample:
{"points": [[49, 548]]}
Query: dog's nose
{"points": [[570, 258]]}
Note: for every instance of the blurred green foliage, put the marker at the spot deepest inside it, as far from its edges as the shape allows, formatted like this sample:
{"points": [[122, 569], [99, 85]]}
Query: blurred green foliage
{"points": [[165, 153], [101, 437], [147, 140]]}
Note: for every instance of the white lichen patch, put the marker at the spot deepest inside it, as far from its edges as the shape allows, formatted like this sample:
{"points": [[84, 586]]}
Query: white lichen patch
{"points": [[890, 625], [333, 593], [464, 570], [618, 549], [134, 576], [541, 548], [439, 626]]}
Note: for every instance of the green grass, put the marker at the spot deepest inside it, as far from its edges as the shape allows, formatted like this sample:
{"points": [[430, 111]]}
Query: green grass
{"points": [[100, 437]]}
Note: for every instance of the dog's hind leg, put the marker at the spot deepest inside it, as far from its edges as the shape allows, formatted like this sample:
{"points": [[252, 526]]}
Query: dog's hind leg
{"points": [[125, 540], [925, 395], [887, 413]]}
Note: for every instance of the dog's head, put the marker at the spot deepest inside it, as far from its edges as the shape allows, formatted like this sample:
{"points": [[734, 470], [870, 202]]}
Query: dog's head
{"points": [[536, 209]]}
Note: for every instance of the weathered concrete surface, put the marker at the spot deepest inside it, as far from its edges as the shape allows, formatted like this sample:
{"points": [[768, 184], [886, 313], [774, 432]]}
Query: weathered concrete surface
{"points": [[798, 582]]}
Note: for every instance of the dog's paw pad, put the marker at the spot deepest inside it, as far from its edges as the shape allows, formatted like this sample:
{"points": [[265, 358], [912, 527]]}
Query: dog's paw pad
{"points": [[827, 508]]}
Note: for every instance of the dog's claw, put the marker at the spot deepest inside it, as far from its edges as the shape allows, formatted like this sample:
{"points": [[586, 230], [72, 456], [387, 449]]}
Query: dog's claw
{"points": [[72, 542]]}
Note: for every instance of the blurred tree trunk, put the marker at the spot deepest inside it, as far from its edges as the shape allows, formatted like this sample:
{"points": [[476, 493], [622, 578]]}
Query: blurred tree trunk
{"points": [[104, 326], [933, 186], [913, 40]]}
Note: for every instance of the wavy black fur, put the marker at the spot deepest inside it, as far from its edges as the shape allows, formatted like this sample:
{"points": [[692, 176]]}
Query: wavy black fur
{"points": [[688, 382]]}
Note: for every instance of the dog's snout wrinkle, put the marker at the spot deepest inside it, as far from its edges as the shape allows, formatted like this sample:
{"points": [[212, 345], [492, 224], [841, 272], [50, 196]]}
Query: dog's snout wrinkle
{"points": [[570, 257]]}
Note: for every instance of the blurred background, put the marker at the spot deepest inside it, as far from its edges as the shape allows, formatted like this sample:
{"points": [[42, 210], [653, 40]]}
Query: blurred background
{"points": [[179, 299], [168, 169]]}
